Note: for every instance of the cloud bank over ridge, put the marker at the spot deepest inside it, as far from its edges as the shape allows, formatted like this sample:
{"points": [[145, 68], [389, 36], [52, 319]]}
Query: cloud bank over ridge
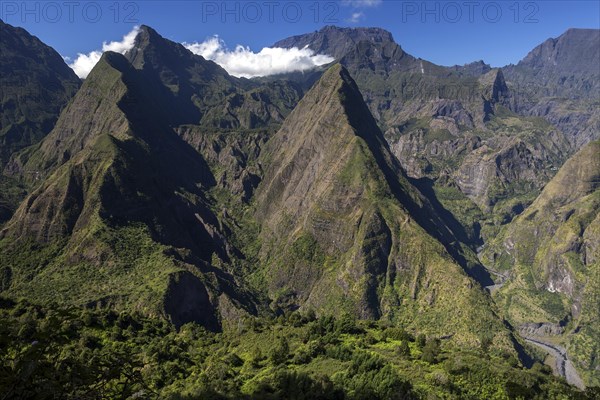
{"points": [[240, 62], [243, 62]]}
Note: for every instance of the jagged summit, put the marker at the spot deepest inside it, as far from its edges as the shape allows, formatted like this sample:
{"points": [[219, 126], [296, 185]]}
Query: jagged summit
{"points": [[186, 84], [495, 88], [560, 81], [148, 37], [475, 68], [154, 50]]}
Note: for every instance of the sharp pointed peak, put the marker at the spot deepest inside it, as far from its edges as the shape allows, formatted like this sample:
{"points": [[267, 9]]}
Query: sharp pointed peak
{"points": [[338, 95], [338, 79], [146, 34], [337, 75]]}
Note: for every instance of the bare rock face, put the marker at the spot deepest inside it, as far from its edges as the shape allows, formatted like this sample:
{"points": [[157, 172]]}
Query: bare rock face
{"points": [[540, 329], [487, 171], [574, 52], [335, 41], [559, 80], [578, 119]]}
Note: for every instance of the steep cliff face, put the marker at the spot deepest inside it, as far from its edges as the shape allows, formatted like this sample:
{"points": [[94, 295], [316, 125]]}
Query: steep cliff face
{"points": [[78, 125], [342, 229], [559, 80], [335, 41], [554, 247], [35, 84], [574, 52], [500, 164]]}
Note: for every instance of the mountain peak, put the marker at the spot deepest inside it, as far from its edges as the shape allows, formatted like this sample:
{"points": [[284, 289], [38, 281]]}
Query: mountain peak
{"points": [[495, 85], [336, 41], [149, 38], [114, 60], [338, 91], [374, 33], [331, 115], [331, 180], [338, 76], [575, 51], [146, 35]]}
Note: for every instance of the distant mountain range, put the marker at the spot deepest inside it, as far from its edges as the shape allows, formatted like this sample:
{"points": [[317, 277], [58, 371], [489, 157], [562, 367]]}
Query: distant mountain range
{"points": [[457, 202]]}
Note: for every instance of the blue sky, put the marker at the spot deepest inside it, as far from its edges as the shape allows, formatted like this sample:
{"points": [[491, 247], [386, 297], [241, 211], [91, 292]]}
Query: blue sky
{"points": [[444, 32]]}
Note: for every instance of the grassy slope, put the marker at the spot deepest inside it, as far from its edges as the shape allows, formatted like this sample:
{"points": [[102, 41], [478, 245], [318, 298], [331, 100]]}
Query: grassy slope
{"points": [[368, 254], [540, 250]]}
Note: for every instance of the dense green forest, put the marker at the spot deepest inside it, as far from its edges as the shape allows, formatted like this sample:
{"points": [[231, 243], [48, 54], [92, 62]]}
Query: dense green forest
{"points": [[69, 353]]}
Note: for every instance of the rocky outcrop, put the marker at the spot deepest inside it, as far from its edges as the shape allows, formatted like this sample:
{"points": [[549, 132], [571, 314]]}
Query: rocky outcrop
{"points": [[540, 329], [506, 166]]}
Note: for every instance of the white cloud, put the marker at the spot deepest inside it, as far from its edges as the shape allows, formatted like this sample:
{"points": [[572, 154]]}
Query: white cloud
{"points": [[84, 63], [361, 3], [243, 62], [356, 17]]}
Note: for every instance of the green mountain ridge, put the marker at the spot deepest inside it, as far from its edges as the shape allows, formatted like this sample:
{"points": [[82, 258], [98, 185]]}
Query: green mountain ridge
{"points": [[428, 208], [35, 84], [343, 229], [551, 253], [453, 128], [117, 212]]}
